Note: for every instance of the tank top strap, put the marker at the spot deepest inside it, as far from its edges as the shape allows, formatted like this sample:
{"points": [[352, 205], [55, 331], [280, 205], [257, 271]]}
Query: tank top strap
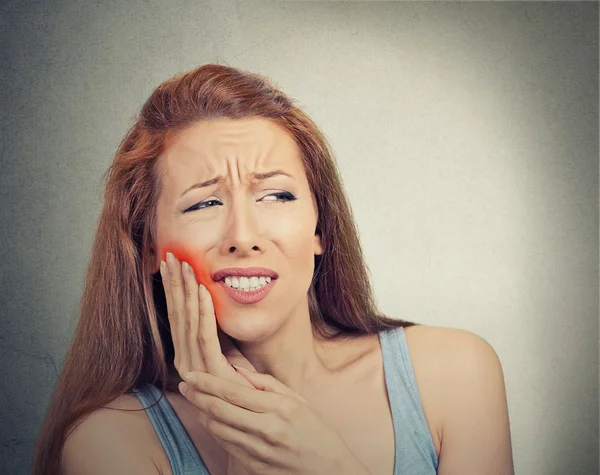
{"points": [[415, 452], [182, 454]]}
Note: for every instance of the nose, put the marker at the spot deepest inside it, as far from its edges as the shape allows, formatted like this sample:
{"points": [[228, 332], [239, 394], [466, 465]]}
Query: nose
{"points": [[242, 235]]}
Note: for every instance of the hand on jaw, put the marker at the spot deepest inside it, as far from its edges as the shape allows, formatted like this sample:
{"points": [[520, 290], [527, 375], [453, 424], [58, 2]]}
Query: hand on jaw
{"points": [[265, 426]]}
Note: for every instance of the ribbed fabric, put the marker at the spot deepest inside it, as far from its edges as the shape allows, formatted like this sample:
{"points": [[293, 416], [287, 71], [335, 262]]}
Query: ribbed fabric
{"points": [[415, 452], [182, 454]]}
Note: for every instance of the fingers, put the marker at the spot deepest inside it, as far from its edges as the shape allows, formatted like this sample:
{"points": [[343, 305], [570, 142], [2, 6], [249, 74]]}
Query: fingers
{"points": [[238, 443], [238, 415], [172, 283], [191, 320], [266, 382], [208, 339], [206, 385]]}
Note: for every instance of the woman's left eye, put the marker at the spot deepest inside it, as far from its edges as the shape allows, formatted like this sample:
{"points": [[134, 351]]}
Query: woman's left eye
{"points": [[282, 196]]}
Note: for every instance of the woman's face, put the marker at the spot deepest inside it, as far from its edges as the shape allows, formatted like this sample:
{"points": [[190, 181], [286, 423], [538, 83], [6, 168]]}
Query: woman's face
{"points": [[239, 218]]}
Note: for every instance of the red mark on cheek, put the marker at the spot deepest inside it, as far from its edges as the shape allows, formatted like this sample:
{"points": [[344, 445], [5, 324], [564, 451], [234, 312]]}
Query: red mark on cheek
{"points": [[200, 268]]}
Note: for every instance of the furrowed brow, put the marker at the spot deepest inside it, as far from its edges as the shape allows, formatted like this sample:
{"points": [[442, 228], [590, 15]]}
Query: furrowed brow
{"points": [[263, 176], [204, 184], [253, 176]]}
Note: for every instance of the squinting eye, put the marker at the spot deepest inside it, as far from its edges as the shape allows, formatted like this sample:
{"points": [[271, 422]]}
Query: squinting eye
{"points": [[202, 205], [283, 196]]}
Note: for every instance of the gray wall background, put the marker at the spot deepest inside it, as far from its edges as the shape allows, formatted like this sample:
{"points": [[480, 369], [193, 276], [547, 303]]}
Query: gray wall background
{"points": [[466, 134]]}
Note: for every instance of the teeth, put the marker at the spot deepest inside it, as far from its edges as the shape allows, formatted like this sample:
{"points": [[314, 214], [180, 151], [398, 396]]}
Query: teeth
{"points": [[247, 283]]}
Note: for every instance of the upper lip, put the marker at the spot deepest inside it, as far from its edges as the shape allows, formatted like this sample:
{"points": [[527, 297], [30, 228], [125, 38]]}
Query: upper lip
{"points": [[244, 272]]}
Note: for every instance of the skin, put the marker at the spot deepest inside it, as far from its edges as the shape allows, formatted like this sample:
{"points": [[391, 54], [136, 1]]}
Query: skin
{"points": [[251, 228], [458, 375], [308, 397], [243, 222], [267, 427]]}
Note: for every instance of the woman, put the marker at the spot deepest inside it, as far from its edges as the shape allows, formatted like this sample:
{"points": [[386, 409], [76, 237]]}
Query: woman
{"points": [[226, 238]]}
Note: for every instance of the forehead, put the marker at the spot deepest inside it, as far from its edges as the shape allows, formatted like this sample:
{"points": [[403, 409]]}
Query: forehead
{"points": [[214, 146]]}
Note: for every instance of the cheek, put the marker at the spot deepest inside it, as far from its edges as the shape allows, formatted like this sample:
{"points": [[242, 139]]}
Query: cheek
{"points": [[195, 257], [296, 243], [186, 252], [188, 236], [296, 231]]}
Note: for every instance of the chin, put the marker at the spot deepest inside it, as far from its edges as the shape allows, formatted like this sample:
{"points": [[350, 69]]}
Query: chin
{"points": [[247, 328]]}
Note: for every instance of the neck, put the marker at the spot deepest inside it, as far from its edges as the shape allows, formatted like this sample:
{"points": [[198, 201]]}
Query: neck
{"points": [[292, 354]]}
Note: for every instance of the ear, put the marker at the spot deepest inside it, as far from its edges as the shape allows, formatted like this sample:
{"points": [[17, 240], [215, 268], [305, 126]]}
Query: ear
{"points": [[318, 246]]}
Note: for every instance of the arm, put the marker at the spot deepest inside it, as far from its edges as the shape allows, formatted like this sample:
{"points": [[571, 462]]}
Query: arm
{"points": [[475, 425], [98, 447]]}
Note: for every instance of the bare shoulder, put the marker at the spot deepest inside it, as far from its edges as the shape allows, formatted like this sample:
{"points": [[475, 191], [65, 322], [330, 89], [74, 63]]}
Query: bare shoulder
{"points": [[450, 357], [454, 345], [118, 439], [453, 356], [461, 383]]}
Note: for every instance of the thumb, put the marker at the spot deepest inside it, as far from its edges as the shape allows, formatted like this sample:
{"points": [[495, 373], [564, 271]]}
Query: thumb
{"points": [[266, 382]]}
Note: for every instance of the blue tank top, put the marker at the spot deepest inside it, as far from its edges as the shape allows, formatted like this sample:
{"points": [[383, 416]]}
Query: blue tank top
{"points": [[415, 452]]}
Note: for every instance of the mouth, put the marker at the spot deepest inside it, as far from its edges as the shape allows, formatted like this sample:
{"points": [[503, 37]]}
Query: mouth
{"points": [[246, 284], [240, 273], [247, 295]]}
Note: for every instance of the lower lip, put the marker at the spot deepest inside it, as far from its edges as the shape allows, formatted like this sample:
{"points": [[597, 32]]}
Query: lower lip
{"points": [[248, 297]]}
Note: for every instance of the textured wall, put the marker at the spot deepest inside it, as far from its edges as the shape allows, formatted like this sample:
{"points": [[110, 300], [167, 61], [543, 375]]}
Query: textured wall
{"points": [[466, 133]]}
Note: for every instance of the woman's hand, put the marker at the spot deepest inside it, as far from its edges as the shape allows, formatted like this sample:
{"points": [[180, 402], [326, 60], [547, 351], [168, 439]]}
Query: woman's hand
{"points": [[266, 431], [268, 428], [199, 344]]}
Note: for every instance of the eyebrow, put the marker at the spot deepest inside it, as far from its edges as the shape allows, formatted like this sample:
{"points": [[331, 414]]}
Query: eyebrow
{"points": [[254, 176]]}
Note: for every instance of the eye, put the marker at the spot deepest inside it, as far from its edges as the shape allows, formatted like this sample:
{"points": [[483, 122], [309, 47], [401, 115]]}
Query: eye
{"points": [[202, 205], [283, 196]]}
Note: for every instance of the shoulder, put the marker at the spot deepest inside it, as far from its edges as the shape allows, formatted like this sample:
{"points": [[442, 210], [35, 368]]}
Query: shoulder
{"points": [[453, 360], [115, 439], [461, 383], [452, 347]]}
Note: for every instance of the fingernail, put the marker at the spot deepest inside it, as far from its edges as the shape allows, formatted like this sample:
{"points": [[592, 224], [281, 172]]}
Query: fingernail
{"points": [[170, 258], [163, 268], [243, 370], [183, 387], [186, 269]]}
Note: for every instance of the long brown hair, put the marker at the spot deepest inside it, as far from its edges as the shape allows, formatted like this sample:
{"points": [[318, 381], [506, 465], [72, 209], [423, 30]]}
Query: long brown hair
{"points": [[123, 337]]}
